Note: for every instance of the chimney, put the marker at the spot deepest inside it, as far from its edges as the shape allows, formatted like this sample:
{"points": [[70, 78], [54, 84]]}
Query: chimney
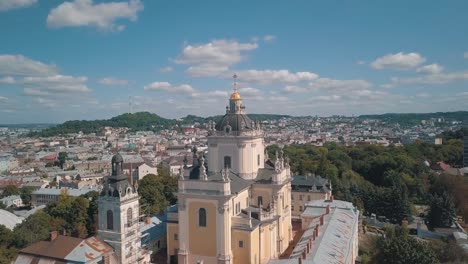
{"points": [[147, 220], [105, 259], [321, 220], [327, 209], [53, 235], [303, 254], [331, 198], [299, 260], [308, 247]]}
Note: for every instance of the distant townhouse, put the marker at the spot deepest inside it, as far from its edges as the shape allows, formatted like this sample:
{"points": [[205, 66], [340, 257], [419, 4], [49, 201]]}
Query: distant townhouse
{"points": [[44, 196], [305, 189]]}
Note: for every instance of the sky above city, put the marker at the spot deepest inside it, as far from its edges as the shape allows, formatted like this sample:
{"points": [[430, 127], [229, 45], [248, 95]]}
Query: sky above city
{"points": [[90, 59]]}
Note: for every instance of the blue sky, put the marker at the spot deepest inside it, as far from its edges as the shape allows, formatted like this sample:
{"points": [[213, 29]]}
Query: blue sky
{"points": [[86, 59]]}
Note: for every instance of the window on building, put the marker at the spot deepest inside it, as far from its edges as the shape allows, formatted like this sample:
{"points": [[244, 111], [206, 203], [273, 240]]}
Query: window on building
{"points": [[129, 217], [260, 200], [241, 243], [202, 217], [258, 159], [176, 236], [227, 162], [300, 208], [292, 207], [110, 220], [292, 197], [308, 198], [300, 197]]}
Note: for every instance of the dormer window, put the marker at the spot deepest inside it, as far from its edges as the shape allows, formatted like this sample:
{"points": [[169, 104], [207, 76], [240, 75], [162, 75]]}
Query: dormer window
{"points": [[227, 162]]}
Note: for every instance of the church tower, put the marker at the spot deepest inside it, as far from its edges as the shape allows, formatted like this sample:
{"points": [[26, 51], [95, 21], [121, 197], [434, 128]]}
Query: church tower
{"points": [[118, 216], [236, 142]]}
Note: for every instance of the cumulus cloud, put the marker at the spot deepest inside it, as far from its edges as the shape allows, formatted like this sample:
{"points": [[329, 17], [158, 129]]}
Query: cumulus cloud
{"points": [[437, 78], [339, 85], [86, 13], [166, 69], [21, 65], [58, 83], [7, 80], [430, 69], [112, 81], [6, 5], [167, 87], [269, 38], [294, 89], [275, 76], [213, 58], [398, 61], [2, 98]]}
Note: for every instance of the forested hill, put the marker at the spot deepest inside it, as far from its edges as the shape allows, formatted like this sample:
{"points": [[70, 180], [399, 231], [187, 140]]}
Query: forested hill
{"points": [[138, 121], [415, 118]]}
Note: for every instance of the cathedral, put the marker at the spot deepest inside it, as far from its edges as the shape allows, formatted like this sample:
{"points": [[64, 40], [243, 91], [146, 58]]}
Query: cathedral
{"points": [[234, 204]]}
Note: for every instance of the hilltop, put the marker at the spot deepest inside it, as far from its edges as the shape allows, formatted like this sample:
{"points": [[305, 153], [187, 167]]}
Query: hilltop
{"points": [[136, 121]]}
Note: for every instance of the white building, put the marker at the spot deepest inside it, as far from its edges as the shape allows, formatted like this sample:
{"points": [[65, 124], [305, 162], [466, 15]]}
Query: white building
{"points": [[12, 200]]}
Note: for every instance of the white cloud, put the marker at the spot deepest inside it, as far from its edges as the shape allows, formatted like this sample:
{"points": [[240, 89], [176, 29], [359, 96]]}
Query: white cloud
{"points": [[339, 85], [2, 98], [57, 84], [167, 87], [360, 62], [399, 61], [269, 38], [166, 69], [294, 89], [465, 55], [21, 65], [112, 81], [430, 69], [275, 76], [423, 95], [438, 78], [250, 93], [213, 58], [13, 4], [86, 13], [7, 80]]}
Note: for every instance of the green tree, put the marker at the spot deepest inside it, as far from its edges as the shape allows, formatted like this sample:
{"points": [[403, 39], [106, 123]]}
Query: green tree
{"points": [[399, 248], [35, 228], [10, 190], [62, 157], [442, 211], [157, 192], [25, 194]]}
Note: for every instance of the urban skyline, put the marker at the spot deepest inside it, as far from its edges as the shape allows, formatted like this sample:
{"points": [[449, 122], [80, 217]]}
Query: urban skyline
{"points": [[83, 59]]}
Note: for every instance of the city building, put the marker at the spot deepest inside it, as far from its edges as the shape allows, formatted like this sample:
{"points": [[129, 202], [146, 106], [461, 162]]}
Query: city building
{"points": [[9, 220], [234, 206], [43, 196], [118, 216], [305, 189], [329, 234], [65, 249], [12, 200]]}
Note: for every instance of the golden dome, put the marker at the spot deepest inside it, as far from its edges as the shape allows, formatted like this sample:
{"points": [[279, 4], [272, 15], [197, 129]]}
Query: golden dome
{"points": [[235, 96]]}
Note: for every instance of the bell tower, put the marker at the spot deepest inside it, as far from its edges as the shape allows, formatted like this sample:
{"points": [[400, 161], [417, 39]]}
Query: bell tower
{"points": [[118, 215]]}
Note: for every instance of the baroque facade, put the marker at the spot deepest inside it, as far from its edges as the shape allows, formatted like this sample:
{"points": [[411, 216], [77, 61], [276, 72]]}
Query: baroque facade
{"points": [[234, 204]]}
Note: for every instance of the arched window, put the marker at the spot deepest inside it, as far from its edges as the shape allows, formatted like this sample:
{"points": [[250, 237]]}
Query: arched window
{"points": [[110, 220], [202, 217], [227, 162], [260, 200], [129, 217]]}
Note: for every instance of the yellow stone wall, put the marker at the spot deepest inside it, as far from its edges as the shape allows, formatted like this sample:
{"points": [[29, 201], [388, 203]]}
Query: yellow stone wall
{"points": [[297, 203], [241, 254], [172, 244], [202, 240]]}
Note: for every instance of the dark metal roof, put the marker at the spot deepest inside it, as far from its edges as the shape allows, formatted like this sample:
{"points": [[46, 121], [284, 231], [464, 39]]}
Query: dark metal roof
{"points": [[237, 122]]}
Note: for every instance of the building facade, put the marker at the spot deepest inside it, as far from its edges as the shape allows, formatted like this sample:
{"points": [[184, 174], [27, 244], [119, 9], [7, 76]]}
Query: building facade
{"points": [[118, 216], [234, 205], [306, 189]]}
